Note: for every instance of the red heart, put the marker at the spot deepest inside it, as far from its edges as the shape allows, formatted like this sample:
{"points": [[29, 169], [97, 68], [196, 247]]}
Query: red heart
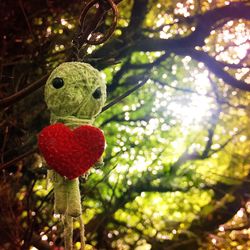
{"points": [[71, 153]]}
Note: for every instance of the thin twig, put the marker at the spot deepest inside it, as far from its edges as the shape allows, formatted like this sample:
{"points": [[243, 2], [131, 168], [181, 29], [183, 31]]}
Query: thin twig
{"points": [[121, 97], [26, 18], [10, 100], [20, 157]]}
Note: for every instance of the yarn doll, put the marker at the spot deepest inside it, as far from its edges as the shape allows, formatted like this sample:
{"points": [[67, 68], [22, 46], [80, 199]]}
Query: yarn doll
{"points": [[75, 93]]}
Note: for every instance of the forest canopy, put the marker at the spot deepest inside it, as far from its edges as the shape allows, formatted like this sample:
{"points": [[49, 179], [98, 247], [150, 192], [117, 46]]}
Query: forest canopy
{"points": [[177, 161]]}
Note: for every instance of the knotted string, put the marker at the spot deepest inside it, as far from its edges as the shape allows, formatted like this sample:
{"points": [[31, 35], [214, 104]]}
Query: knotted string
{"points": [[71, 121]]}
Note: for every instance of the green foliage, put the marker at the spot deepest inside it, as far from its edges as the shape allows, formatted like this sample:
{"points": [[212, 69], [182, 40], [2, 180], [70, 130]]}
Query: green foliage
{"points": [[177, 158]]}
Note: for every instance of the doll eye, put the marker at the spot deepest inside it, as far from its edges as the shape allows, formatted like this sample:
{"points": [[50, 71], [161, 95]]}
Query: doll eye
{"points": [[57, 83], [97, 94]]}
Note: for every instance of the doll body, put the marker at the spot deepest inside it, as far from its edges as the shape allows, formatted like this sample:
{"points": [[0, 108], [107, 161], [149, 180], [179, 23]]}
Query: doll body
{"points": [[75, 94]]}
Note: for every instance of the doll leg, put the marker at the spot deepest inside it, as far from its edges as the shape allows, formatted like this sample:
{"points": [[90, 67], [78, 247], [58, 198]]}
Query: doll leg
{"points": [[60, 194], [67, 196], [74, 208]]}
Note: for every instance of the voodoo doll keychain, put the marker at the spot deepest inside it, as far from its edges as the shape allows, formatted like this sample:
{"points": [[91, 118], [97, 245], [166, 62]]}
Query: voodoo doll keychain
{"points": [[75, 94]]}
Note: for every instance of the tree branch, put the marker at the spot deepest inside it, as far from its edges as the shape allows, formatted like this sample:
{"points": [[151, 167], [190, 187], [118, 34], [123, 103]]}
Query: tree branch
{"points": [[10, 100], [127, 65], [205, 24], [215, 67], [139, 11], [223, 212]]}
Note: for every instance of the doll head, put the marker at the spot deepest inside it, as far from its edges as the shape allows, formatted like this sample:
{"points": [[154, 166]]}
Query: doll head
{"points": [[75, 89]]}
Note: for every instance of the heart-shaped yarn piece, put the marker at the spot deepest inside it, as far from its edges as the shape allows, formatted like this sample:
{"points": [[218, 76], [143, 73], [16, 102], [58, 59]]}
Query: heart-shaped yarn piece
{"points": [[71, 152]]}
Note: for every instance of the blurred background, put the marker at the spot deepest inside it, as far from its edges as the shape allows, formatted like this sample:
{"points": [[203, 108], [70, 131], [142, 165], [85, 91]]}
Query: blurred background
{"points": [[176, 173]]}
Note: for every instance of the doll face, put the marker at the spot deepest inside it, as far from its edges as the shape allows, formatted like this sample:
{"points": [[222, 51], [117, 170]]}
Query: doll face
{"points": [[75, 89]]}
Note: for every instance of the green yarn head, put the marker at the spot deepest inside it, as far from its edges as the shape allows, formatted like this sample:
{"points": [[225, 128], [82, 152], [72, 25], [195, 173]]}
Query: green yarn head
{"points": [[75, 89]]}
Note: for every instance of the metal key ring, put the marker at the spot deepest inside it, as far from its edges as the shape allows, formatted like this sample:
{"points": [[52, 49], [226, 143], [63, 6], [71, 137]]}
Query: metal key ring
{"points": [[99, 16]]}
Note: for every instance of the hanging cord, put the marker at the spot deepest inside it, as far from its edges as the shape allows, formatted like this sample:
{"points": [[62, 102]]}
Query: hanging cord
{"points": [[68, 232], [82, 233]]}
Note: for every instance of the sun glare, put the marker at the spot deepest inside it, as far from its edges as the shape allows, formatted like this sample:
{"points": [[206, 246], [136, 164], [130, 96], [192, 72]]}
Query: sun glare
{"points": [[188, 108], [193, 112]]}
